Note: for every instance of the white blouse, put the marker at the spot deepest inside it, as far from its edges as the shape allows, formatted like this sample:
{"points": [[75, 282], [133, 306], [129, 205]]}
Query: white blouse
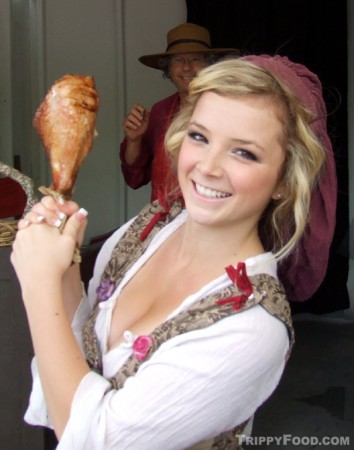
{"points": [[195, 386]]}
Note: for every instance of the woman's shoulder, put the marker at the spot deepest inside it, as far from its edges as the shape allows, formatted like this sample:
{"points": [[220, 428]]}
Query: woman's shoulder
{"points": [[262, 263]]}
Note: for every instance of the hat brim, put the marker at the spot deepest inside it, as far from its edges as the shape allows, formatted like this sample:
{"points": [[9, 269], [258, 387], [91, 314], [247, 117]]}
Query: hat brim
{"points": [[153, 60]]}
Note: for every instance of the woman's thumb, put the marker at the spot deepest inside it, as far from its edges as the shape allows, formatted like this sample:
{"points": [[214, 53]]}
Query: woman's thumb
{"points": [[75, 225]]}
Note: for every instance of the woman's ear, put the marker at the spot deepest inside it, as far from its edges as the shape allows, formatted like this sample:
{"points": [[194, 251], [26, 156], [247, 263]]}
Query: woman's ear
{"points": [[279, 192], [277, 196]]}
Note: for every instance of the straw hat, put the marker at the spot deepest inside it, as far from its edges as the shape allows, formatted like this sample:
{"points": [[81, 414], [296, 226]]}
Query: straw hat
{"points": [[185, 38]]}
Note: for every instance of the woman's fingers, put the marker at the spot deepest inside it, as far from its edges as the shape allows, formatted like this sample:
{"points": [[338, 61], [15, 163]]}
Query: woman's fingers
{"points": [[67, 206], [40, 214], [76, 224], [50, 211], [53, 213], [23, 223]]}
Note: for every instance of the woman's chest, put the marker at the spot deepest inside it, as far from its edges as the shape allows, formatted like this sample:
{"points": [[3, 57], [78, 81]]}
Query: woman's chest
{"points": [[146, 302], [156, 291]]}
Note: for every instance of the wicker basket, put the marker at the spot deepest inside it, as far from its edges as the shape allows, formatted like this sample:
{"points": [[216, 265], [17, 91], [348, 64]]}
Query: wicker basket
{"points": [[8, 227]]}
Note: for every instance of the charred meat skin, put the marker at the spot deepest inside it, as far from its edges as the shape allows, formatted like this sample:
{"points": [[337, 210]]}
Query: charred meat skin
{"points": [[66, 124]]}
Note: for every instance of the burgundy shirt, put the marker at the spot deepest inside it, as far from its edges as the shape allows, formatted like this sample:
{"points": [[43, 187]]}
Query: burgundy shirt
{"points": [[153, 163]]}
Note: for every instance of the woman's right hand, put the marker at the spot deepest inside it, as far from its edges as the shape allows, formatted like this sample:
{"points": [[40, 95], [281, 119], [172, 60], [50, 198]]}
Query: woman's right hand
{"points": [[42, 251], [136, 122], [52, 212]]}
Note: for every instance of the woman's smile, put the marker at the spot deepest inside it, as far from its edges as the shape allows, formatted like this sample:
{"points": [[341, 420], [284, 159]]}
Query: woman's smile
{"points": [[209, 192], [230, 160]]}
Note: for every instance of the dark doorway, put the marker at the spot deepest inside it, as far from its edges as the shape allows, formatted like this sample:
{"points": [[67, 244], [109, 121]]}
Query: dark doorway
{"points": [[313, 33]]}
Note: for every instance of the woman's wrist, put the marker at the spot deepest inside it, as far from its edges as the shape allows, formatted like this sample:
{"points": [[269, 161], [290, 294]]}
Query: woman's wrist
{"points": [[72, 289], [43, 294]]}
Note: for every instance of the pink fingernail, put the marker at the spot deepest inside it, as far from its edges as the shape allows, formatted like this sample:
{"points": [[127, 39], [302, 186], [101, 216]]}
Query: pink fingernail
{"points": [[61, 215], [57, 223], [82, 213], [40, 219]]}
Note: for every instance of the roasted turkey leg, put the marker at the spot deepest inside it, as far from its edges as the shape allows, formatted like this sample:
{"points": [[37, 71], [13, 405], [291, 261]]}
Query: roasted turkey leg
{"points": [[65, 122]]}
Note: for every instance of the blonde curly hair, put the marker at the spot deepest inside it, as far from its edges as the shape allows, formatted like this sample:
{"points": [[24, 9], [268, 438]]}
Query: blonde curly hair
{"points": [[285, 219]]}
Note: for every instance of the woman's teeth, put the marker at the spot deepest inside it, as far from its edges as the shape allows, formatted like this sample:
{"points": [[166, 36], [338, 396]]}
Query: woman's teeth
{"points": [[210, 193]]}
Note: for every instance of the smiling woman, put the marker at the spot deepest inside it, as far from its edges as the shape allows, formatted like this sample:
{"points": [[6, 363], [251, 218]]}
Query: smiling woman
{"points": [[230, 162], [291, 96], [186, 328]]}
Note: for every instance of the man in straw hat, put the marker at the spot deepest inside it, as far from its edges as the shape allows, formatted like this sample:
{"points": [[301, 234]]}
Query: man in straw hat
{"points": [[142, 152]]}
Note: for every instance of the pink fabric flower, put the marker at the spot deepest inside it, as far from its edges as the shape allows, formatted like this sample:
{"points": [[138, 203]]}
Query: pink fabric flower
{"points": [[141, 347]]}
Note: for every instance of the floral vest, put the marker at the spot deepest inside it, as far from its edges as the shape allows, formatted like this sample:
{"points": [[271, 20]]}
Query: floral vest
{"points": [[244, 293]]}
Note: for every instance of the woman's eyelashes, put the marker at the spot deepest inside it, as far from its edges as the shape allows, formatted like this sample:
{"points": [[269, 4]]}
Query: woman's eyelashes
{"points": [[245, 154], [196, 136], [240, 152]]}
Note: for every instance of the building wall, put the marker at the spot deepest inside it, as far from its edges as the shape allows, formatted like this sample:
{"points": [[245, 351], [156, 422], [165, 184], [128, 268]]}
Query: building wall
{"points": [[43, 40]]}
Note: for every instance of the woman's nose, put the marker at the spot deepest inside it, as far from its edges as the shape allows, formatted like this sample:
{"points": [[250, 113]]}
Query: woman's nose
{"points": [[211, 164]]}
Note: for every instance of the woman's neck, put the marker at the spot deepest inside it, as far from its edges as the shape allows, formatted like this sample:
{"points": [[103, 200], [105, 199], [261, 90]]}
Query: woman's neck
{"points": [[222, 245]]}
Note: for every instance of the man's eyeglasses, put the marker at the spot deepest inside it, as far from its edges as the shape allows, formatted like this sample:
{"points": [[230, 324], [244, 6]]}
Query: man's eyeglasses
{"points": [[194, 60]]}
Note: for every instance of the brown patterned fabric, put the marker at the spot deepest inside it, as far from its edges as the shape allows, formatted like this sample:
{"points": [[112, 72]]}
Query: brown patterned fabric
{"points": [[267, 292], [205, 312]]}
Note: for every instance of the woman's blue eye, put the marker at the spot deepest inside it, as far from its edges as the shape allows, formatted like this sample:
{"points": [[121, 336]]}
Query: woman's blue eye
{"points": [[246, 154], [197, 136]]}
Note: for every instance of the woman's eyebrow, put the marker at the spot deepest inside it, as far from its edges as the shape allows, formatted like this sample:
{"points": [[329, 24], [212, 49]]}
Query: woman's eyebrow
{"points": [[248, 142], [235, 140], [199, 125]]}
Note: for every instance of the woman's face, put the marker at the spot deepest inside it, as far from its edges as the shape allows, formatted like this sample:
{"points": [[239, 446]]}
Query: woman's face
{"points": [[231, 159]]}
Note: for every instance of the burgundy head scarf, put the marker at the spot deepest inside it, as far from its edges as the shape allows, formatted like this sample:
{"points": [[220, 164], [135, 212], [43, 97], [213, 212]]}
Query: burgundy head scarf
{"points": [[304, 269]]}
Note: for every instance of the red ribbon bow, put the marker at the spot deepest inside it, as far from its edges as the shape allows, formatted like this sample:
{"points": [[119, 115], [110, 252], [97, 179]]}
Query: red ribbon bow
{"points": [[240, 278], [161, 215]]}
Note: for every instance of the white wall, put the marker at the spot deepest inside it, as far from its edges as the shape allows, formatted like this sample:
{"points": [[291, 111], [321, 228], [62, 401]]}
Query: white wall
{"points": [[81, 37], [45, 39], [105, 42], [145, 30]]}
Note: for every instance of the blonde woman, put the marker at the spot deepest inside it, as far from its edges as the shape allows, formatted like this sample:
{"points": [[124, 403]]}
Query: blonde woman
{"points": [[185, 330]]}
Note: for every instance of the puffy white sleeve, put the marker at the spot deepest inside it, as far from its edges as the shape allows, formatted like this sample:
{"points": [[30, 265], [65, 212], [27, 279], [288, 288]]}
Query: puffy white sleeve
{"points": [[36, 413], [194, 387]]}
